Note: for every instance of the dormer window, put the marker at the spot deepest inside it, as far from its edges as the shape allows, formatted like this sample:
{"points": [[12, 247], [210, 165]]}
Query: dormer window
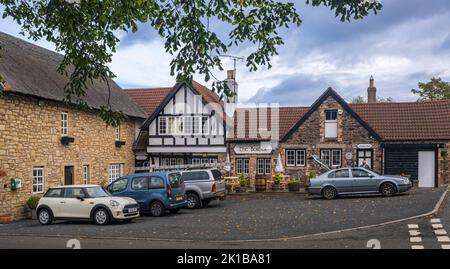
{"points": [[64, 124], [331, 124]]}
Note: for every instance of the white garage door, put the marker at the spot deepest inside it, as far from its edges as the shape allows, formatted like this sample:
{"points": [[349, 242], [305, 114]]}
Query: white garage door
{"points": [[427, 169]]}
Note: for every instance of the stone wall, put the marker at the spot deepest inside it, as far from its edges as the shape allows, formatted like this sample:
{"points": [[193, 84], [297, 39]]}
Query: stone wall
{"points": [[30, 137], [310, 137]]}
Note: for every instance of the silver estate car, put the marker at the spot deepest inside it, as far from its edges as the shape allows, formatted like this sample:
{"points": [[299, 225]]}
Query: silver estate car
{"points": [[356, 180]]}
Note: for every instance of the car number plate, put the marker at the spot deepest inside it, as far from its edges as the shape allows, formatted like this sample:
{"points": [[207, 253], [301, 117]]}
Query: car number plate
{"points": [[179, 198], [131, 210]]}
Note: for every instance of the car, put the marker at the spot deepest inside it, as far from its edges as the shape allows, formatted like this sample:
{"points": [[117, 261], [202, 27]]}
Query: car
{"points": [[357, 180], [155, 192], [84, 202], [203, 186]]}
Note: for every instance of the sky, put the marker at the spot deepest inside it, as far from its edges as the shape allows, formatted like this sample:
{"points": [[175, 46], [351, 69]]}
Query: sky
{"points": [[406, 43]]}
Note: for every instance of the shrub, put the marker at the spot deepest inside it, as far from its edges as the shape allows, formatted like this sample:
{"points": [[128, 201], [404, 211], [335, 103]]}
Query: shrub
{"points": [[242, 180], [104, 183], [311, 174], [33, 202], [277, 178], [294, 182]]}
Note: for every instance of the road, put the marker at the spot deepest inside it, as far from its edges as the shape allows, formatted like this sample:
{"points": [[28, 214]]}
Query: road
{"points": [[415, 233]]}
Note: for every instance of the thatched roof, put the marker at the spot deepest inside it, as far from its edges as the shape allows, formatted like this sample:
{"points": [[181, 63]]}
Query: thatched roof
{"points": [[32, 70]]}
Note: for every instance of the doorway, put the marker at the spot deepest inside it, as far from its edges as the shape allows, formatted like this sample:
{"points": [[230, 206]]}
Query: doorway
{"points": [[68, 175], [427, 169]]}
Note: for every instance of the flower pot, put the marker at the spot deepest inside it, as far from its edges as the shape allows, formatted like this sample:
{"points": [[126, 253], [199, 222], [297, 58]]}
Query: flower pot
{"points": [[240, 189], [6, 218], [294, 187], [33, 214], [276, 187]]}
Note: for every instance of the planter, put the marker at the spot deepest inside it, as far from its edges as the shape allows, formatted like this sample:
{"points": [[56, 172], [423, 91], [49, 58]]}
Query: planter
{"points": [[276, 187], [240, 189], [260, 184], [294, 187], [33, 214], [6, 218]]}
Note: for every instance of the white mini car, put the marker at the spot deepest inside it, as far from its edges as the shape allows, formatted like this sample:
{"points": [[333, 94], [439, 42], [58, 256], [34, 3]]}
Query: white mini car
{"points": [[85, 202]]}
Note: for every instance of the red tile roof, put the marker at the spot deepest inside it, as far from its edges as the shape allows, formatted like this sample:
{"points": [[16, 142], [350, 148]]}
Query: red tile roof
{"points": [[407, 121], [149, 99]]}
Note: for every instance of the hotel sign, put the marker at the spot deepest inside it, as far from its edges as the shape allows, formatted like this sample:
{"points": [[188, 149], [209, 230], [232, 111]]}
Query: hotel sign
{"points": [[253, 149], [364, 146]]}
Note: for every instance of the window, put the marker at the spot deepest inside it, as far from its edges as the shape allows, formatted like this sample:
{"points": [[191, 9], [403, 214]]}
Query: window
{"points": [[118, 133], [74, 193], [115, 171], [365, 158], [343, 173], [188, 125], [119, 185], [360, 173], [205, 125], [196, 125], [193, 176], [85, 174], [156, 183], [171, 125], [162, 125], [331, 124], [196, 161], [179, 125], [54, 193], [64, 123], [331, 158], [264, 166], [139, 183], [295, 157], [242, 166], [38, 180], [175, 180]]}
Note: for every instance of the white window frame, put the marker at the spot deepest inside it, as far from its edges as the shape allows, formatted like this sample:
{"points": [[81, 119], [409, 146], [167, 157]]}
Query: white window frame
{"points": [[162, 125], [195, 161], [115, 171], [86, 173], [38, 179], [188, 125], [242, 166], [332, 162], [205, 125], [64, 124], [118, 133], [264, 166], [331, 126], [295, 157], [290, 157], [196, 127]]}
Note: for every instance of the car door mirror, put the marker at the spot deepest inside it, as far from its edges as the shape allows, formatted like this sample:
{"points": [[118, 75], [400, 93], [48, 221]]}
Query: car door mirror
{"points": [[81, 198]]}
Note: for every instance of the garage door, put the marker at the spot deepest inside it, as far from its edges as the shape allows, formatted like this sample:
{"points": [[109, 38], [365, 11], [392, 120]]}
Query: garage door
{"points": [[404, 159]]}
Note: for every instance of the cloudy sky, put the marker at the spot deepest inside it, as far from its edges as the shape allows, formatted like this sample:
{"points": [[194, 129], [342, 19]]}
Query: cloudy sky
{"points": [[407, 42]]}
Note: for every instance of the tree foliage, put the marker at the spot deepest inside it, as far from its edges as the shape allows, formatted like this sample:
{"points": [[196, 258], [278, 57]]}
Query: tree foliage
{"points": [[86, 31], [435, 89]]}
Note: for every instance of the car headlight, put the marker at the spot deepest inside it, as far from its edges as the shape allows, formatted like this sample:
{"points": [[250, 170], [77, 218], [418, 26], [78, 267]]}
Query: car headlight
{"points": [[114, 203], [406, 180]]}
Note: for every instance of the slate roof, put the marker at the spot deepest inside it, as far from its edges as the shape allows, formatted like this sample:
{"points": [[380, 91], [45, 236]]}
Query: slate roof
{"points": [[32, 70]]}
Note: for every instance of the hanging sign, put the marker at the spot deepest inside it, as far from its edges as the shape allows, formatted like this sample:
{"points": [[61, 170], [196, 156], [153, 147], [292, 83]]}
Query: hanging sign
{"points": [[253, 149], [364, 146]]}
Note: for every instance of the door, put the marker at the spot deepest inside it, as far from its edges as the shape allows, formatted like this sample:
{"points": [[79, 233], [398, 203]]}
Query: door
{"points": [[72, 207], [68, 175], [341, 180], [140, 190], [427, 169], [365, 158], [363, 181]]}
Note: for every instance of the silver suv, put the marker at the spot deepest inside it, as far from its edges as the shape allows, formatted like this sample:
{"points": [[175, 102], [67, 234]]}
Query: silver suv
{"points": [[203, 186]]}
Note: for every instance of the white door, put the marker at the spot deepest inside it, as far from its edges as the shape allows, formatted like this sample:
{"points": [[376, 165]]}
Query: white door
{"points": [[427, 169]]}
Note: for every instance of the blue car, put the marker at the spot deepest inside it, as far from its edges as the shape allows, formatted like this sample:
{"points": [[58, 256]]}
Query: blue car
{"points": [[155, 192]]}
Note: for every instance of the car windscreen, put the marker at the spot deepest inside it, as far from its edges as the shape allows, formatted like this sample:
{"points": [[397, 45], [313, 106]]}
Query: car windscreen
{"points": [[96, 192], [175, 180]]}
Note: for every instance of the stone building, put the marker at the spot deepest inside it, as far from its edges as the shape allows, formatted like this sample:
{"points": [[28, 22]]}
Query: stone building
{"points": [[46, 142], [391, 138]]}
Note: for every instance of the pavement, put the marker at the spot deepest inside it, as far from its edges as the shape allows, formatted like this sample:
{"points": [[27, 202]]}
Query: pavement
{"points": [[291, 219]]}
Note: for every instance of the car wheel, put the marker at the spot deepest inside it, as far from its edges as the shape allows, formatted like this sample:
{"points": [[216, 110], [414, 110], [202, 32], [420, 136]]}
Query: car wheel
{"points": [[101, 216], [205, 202], [157, 209], [388, 189], [45, 216], [193, 201], [175, 211], [329, 193]]}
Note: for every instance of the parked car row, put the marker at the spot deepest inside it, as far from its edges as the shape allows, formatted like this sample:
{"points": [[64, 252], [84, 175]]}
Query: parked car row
{"points": [[154, 193]]}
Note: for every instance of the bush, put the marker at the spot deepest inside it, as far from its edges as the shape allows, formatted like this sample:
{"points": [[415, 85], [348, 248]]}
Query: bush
{"points": [[242, 180], [311, 174], [277, 178], [294, 182], [33, 202], [104, 183]]}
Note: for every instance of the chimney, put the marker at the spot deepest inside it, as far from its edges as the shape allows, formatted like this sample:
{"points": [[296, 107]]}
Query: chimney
{"points": [[371, 91], [232, 85]]}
